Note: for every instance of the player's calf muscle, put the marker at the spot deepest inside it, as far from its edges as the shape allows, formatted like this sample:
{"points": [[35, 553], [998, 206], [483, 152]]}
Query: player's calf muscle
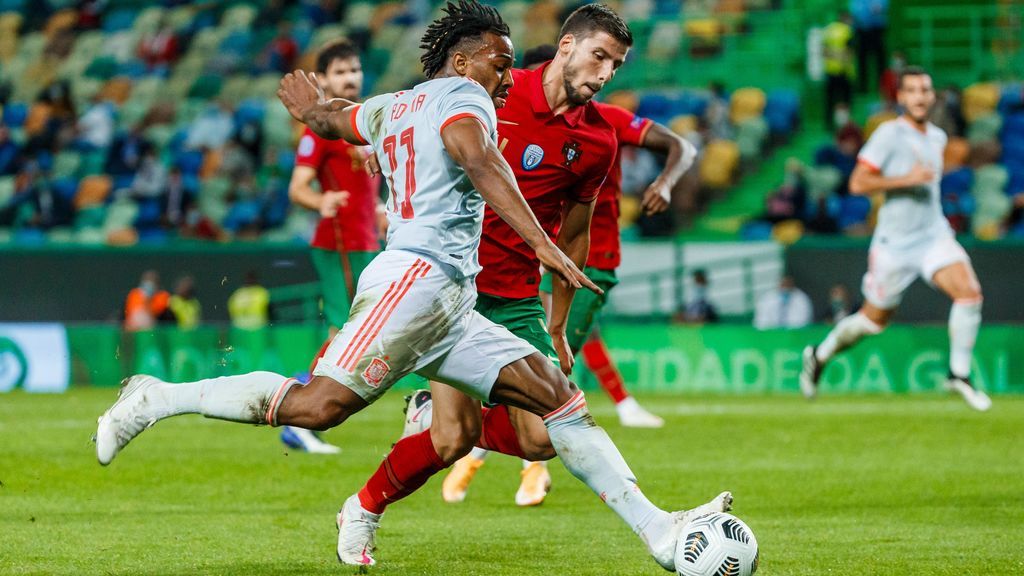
{"points": [[533, 384], [319, 405]]}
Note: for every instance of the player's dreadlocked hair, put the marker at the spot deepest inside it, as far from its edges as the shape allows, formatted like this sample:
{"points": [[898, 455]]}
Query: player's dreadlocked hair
{"points": [[467, 19]]}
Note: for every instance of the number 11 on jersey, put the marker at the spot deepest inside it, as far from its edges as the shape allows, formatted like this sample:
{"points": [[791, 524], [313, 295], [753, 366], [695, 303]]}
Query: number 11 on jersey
{"points": [[405, 138]]}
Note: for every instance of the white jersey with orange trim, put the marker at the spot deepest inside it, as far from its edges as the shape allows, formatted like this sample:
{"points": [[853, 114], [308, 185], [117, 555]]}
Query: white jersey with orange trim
{"points": [[433, 208], [909, 216]]}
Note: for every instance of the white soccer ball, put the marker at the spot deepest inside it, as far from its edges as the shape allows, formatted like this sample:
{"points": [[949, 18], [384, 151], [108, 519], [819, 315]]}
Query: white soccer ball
{"points": [[716, 544]]}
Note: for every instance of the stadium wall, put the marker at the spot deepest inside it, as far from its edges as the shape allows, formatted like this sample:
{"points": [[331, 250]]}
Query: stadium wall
{"points": [[817, 265], [653, 358]]}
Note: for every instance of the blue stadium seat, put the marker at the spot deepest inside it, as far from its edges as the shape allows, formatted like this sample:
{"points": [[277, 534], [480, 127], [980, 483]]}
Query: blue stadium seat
{"points": [[132, 68], [12, 5], [189, 161], [689, 103], [153, 235], [249, 111], [32, 236], [1012, 97], [118, 20], [286, 160], [1013, 125], [853, 210], [656, 106], [756, 231], [65, 188], [148, 215], [782, 109], [15, 114], [957, 182], [236, 43]]}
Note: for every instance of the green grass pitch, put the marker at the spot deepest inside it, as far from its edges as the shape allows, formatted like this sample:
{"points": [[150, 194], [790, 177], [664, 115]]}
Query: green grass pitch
{"points": [[846, 486]]}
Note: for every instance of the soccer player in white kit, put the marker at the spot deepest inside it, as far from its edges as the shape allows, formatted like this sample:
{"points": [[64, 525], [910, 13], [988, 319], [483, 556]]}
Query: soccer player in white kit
{"points": [[903, 160], [413, 310]]}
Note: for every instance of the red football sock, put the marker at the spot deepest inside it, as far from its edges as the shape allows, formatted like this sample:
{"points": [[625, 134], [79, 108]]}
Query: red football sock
{"points": [[597, 359], [319, 355], [497, 433], [410, 464]]}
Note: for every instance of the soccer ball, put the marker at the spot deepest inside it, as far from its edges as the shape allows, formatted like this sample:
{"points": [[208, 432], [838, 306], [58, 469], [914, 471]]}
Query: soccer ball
{"points": [[716, 544]]}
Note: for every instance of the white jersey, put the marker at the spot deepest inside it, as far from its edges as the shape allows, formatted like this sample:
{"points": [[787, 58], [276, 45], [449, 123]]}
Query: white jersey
{"points": [[909, 216], [433, 208]]}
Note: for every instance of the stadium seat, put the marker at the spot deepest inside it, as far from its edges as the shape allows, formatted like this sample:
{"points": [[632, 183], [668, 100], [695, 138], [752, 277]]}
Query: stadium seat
{"points": [[956, 153], [985, 128], [15, 114], [979, 100], [66, 164], [750, 137], [719, 163], [656, 106], [958, 182], [118, 20], [189, 161], [746, 103], [148, 215], [853, 210], [92, 190], [782, 110], [6, 189]]}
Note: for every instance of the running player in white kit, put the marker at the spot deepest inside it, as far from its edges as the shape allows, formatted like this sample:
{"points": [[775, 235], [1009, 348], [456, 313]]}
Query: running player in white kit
{"points": [[413, 310], [903, 159]]}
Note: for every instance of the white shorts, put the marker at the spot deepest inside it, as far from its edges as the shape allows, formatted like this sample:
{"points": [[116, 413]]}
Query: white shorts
{"points": [[409, 316], [891, 271]]}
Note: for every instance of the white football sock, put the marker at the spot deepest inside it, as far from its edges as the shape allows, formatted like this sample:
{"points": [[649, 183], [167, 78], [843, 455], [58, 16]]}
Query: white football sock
{"points": [[964, 321], [526, 463], [253, 397], [479, 453], [846, 333], [590, 455]]}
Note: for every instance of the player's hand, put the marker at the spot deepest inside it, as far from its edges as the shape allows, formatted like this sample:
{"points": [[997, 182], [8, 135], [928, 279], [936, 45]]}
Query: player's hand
{"points": [[300, 93], [656, 198], [372, 165], [565, 356], [557, 262], [331, 200], [920, 175]]}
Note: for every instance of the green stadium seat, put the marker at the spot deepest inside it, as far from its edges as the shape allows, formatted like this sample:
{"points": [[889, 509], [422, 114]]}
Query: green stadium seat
{"points": [[6, 189], [92, 163], [985, 128], [148, 20], [120, 214], [60, 235], [359, 15], [750, 137], [328, 33], [238, 17], [90, 216], [160, 135], [66, 164], [206, 87], [90, 235]]}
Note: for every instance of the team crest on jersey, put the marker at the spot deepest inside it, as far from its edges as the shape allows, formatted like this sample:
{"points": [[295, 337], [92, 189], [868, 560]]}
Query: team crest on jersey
{"points": [[571, 152], [532, 156], [375, 372], [637, 122]]}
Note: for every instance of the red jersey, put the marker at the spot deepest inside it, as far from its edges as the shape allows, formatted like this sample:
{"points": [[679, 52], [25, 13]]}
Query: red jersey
{"points": [[554, 158], [340, 167], [605, 246]]}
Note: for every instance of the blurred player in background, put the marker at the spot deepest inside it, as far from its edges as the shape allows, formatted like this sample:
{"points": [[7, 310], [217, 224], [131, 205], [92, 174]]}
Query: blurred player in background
{"points": [[414, 310], [913, 239], [347, 237], [603, 259]]}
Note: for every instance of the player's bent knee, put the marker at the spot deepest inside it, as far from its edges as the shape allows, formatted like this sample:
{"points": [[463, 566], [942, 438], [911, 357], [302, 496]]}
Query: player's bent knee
{"points": [[454, 442]]}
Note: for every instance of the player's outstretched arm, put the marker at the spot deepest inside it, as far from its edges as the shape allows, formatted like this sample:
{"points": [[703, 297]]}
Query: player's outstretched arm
{"points": [[574, 241], [867, 180], [468, 145], [301, 94], [679, 157]]}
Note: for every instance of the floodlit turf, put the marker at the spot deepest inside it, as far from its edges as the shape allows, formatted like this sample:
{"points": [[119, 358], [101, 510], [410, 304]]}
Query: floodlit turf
{"points": [[844, 486]]}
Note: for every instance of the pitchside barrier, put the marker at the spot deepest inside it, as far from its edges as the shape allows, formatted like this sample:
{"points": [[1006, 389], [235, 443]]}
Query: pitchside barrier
{"points": [[653, 358]]}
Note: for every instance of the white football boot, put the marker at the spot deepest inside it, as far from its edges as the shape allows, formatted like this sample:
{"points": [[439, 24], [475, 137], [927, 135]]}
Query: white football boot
{"points": [[419, 412], [136, 409], [307, 441], [975, 398], [633, 415], [810, 373], [357, 530], [664, 550]]}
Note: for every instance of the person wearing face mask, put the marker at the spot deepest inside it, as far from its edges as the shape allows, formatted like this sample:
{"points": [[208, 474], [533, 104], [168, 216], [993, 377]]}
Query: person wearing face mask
{"points": [[700, 309], [146, 304], [784, 307]]}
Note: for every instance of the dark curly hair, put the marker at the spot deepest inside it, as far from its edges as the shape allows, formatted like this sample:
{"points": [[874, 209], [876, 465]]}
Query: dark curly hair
{"points": [[466, 20]]}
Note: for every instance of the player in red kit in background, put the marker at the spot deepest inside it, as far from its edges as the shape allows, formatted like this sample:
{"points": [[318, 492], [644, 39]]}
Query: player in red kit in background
{"points": [[348, 235]]}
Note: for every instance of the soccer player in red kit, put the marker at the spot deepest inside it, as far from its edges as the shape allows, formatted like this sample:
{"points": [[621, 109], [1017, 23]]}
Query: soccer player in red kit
{"points": [[604, 258], [347, 237]]}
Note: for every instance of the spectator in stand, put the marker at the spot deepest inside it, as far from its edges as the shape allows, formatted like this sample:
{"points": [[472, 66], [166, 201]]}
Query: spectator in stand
{"points": [[699, 310], [9, 155], [871, 18], [150, 181], [177, 199], [147, 304], [159, 48], [96, 126], [842, 154], [839, 71], [273, 12], [784, 307], [282, 51], [90, 13], [947, 114], [822, 221], [249, 306], [716, 114], [889, 82], [184, 305], [789, 201], [839, 305], [212, 128], [52, 114], [126, 153], [34, 203]]}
